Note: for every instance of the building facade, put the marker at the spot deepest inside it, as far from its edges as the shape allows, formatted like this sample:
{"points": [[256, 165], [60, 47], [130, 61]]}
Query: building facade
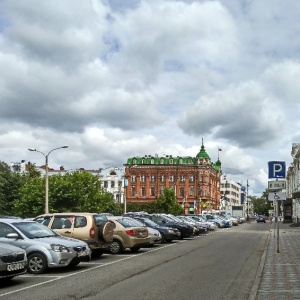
{"points": [[195, 180], [292, 204]]}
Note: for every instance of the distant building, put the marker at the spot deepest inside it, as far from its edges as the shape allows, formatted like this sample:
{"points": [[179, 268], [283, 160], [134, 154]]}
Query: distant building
{"points": [[195, 180]]}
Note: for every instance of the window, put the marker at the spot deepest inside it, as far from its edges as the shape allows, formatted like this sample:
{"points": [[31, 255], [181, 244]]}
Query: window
{"points": [[152, 191], [143, 191], [133, 178], [161, 161], [80, 222], [190, 161], [152, 178], [120, 183], [143, 178], [181, 191], [162, 178], [5, 230], [134, 161], [171, 161], [200, 178], [192, 191], [171, 178], [162, 190], [192, 178], [105, 184], [152, 161], [180, 161], [133, 191], [112, 184], [181, 178]]}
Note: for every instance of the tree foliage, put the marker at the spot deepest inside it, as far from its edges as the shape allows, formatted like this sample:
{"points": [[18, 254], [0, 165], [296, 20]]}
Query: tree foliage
{"points": [[261, 205], [165, 203], [10, 184], [74, 191]]}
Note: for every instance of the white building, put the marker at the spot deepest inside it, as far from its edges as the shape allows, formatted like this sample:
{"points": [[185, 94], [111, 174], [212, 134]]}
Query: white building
{"points": [[112, 180]]}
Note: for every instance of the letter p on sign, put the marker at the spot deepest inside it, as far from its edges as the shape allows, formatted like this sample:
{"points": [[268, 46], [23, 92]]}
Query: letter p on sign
{"points": [[276, 169]]}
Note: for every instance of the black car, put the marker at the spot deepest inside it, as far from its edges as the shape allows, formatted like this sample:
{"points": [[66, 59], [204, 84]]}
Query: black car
{"points": [[261, 219], [168, 234], [164, 220]]}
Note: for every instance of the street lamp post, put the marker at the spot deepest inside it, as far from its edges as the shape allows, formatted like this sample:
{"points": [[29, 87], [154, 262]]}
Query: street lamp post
{"points": [[46, 176]]}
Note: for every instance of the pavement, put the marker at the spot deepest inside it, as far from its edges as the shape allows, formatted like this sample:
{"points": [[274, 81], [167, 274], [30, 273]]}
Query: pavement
{"points": [[278, 277]]}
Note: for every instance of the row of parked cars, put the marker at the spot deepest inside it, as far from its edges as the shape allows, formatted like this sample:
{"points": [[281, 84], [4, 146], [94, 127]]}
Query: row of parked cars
{"points": [[66, 239]]}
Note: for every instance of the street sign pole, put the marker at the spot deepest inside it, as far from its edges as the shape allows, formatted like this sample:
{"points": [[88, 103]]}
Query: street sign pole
{"points": [[277, 224]]}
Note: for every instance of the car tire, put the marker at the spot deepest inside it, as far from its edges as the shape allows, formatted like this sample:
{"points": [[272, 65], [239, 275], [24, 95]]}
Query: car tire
{"points": [[97, 253], [74, 264], [105, 232], [135, 249], [163, 239], [169, 241], [37, 263], [116, 247], [181, 235]]}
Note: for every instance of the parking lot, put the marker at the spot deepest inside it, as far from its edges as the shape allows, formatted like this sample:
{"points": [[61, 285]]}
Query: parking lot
{"points": [[28, 281]]}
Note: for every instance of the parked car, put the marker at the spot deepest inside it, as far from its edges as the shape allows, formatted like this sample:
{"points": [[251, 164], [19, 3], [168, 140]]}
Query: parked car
{"points": [[92, 228], [210, 225], [13, 261], [168, 234], [127, 235], [44, 247], [261, 219], [154, 235], [164, 220], [198, 226], [221, 223]]}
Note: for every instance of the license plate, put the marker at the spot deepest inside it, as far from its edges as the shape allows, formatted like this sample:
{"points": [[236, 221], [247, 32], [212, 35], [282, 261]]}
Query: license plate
{"points": [[83, 253], [16, 266]]}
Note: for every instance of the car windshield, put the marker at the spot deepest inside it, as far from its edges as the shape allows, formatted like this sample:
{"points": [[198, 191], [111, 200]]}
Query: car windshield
{"points": [[127, 222], [34, 230], [150, 223], [139, 223]]}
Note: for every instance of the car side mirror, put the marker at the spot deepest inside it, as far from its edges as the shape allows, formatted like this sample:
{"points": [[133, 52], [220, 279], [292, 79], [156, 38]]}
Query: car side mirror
{"points": [[12, 236]]}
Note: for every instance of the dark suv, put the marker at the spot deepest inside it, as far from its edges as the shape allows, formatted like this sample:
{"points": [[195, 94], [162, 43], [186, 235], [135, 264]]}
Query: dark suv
{"points": [[164, 220]]}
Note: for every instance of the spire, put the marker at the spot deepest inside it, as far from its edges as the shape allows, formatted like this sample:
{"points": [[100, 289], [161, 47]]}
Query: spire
{"points": [[202, 153]]}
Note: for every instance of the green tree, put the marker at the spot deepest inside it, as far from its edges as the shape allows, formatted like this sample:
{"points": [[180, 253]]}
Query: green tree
{"points": [[10, 185], [74, 191], [166, 203], [261, 205]]}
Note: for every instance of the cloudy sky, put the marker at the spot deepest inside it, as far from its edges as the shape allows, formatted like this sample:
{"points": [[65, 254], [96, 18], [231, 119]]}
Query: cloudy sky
{"points": [[114, 79]]}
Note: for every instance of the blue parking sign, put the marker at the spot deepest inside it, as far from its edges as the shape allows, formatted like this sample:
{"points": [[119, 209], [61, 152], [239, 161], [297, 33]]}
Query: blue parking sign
{"points": [[276, 169]]}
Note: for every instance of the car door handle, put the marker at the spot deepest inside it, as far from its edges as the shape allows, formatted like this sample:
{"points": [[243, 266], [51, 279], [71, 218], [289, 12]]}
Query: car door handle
{"points": [[68, 232]]}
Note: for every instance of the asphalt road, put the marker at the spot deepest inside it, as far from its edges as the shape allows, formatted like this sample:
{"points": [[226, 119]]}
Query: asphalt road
{"points": [[219, 265]]}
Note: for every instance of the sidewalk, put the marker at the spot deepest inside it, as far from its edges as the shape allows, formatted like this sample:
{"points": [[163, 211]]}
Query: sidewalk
{"points": [[280, 277]]}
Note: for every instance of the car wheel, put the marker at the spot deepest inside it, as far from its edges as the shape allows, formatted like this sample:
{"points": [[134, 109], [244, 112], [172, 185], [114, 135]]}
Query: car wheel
{"points": [[116, 247], [169, 241], [135, 249], [163, 238], [97, 253], [181, 235], [37, 263], [74, 263], [105, 232]]}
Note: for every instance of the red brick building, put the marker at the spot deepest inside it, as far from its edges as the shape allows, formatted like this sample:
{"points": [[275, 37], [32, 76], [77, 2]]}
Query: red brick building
{"points": [[195, 180]]}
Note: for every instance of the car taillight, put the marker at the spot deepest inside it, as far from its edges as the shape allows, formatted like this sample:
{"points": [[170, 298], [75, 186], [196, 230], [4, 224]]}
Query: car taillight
{"points": [[92, 232], [130, 232]]}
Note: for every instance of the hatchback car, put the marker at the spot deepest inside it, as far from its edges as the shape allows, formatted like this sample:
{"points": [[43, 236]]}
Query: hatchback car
{"points": [[127, 234], [13, 261], [44, 247], [92, 228], [261, 219]]}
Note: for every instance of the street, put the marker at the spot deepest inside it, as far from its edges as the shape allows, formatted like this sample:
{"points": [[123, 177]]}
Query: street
{"points": [[219, 265]]}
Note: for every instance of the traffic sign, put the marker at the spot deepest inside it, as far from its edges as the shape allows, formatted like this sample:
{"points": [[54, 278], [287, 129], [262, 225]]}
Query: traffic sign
{"points": [[276, 185], [277, 196], [276, 169]]}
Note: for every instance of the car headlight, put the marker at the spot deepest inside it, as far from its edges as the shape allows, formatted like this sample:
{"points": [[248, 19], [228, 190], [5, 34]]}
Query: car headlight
{"points": [[59, 248]]}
